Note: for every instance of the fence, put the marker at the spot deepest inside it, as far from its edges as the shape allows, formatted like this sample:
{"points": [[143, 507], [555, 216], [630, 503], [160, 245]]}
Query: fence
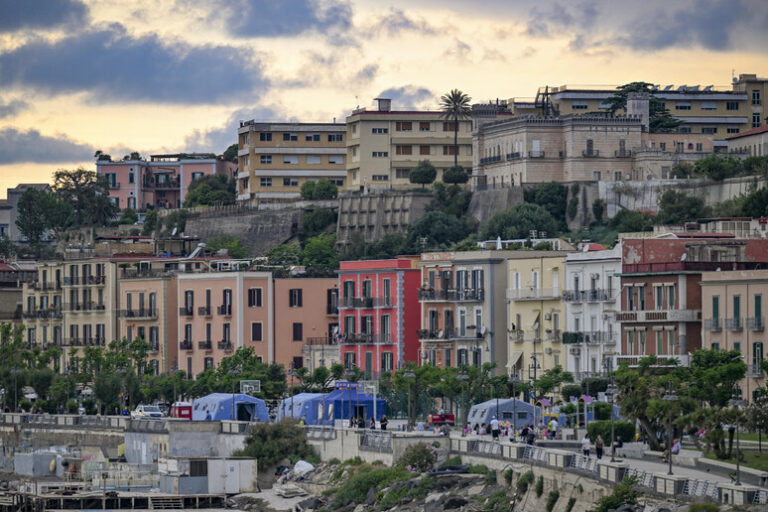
{"points": [[320, 433], [694, 487], [376, 441], [535, 453], [644, 478], [584, 463], [490, 448]]}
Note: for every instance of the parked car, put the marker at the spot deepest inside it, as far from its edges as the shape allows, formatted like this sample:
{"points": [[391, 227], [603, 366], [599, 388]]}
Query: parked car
{"points": [[146, 412]]}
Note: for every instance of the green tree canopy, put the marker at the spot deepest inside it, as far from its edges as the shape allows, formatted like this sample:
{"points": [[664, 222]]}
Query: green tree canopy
{"points": [[455, 175], [320, 254], [423, 174], [88, 195], [517, 222], [230, 154], [231, 243], [551, 196], [677, 207], [659, 118], [455, 106], [438, 228], [210, 190], [284, 255], [40, 211], [129, 216]]}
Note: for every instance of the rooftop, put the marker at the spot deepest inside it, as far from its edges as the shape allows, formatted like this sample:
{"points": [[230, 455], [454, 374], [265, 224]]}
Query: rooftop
{"points": [[753, 131]]}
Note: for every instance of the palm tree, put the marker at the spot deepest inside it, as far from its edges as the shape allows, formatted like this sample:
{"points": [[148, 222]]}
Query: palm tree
{"points": [[455, 106]]}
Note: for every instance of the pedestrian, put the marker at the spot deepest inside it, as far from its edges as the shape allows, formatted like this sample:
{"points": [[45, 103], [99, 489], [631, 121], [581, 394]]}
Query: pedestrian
{"points": [[495, 428], [208, 416], [373, 424], [553, 428], [599, 447], [585, 445], [531, 437], [618, 443], [383, 422]]}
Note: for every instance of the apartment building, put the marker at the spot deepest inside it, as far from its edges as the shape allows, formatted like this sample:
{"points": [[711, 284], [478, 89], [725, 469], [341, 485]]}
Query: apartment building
{"points": [[709, 110], [536, 312], [591, 294], [463, 307], [161, 182], [276, 159], [661, 301], [379, 314], [305, 312], [734, 319], [383, 145], [753, 142]]}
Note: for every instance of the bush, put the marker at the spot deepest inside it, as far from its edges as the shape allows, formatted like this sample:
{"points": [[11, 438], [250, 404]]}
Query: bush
{"points": [[622, 429], [355, 490], [508, 474], [334, 462], [498, 502], [272, 442], [129, 216], [418, 457], [623, 493], [453, 461], [316, 221], [552, 499], [524, 481], [324, 189], [571, 503], [455, 174], [594, 385], [231, 243], [539, 486], [404, 493], [569, 391], [89, 404], [307, 190], [704, 507], [72, 406]]}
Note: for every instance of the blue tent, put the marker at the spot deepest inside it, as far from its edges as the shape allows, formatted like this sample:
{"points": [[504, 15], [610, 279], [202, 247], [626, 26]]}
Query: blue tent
{"points": [[219, 405], [339, 401], [310, 406], [484, 412]]}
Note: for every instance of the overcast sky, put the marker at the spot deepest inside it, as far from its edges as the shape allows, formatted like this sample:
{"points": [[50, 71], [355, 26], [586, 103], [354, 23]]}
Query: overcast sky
{"points": [[178, 75]]}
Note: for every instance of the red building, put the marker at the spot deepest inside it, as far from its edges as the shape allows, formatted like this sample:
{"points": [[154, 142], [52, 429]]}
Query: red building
{"points": [[379, 314]]}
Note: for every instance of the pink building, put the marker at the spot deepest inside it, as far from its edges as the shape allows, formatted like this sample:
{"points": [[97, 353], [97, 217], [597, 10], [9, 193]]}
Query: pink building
{"points": [[163, 182], [379, 314]]}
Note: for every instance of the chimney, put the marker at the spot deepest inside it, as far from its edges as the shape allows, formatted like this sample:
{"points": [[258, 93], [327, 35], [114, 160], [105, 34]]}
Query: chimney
{"points": [[385, 104], [638, 105]]}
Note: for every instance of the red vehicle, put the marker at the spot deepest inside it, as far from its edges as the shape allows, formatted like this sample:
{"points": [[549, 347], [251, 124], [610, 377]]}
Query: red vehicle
{"points": [[182, 410], [441, 419]]}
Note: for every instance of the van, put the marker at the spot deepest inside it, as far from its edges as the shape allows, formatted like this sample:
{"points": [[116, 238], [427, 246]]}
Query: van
{"points": [[181, 410]]}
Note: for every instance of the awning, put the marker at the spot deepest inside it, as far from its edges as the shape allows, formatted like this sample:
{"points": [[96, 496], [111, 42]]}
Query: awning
{"points": [[586, 398], [544, 402], [514, 358]]}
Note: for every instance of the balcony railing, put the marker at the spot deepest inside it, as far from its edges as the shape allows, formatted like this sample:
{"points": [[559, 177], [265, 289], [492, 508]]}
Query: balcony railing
{"points": [[84, 280], [734, 324], [138, 313], [623, 153], [50, 313], [46, 286], [665, 315], [755, 323], [754, 371], [632, 361], [185, 345], [225, 345], [534, 294], [204, 311], [588, 295], [590, 153], [490, 160], [321, 340], [513, 156], [114, 185], [225, 309], [167, 184], [154, 347], [517, 336], [360, 338], [536, 154], [186, 311], [332, 309], [144, 273], [713, 324], [460, 295], [205, 345]]}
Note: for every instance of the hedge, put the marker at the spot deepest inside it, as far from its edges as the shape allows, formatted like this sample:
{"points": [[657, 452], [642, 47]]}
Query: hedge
{"points": [[622, 429]]}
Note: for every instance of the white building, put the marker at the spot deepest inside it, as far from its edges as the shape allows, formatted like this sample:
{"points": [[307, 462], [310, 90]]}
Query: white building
{"points": [[592, 298]]}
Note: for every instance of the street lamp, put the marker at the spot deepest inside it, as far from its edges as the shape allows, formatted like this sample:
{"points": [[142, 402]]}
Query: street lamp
{"points": [[611, 393], [409, 374], [670, 397], [737, 402], [514, 379], [463, 378], [292, 374], [234, 373], [348, 375]]}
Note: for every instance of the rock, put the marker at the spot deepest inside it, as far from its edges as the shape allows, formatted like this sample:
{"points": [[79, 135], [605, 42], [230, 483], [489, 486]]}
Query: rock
{"points": [[312, 503], [444, 483], [360, 508], [454, 502], [434, 502], [371, 497]]}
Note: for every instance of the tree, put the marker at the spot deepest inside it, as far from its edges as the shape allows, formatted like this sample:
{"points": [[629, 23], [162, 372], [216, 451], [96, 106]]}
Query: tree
{"points": [[210, 190], [230, 154], [455, 175], [284, 255], [88, 194], [423, 174], [659, 118], [320, 255], [231, 243], [718, 167], [316, 221], [550, 196], [40, 211], [150, 222], [307, 190], [629, 221], [518, 221], [452, 200], [440, 229], [598, 208], [455, 105], [324, 189], [129, 216], [677, 207], [551, 380]]}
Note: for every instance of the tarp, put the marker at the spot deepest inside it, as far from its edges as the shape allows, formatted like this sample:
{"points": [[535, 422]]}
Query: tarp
{"points": [[544, 402], [484, 412], [219, 405], [338, 404], [304, 405]]}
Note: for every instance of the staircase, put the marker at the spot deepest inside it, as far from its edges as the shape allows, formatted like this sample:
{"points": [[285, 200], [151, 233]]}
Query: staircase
{"points": [[166, 503]]}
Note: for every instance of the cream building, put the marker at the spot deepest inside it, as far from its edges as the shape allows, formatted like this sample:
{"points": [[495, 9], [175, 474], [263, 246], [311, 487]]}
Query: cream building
{"points": [[383, 145], [276, 159], [751, 143], [734, 319], [536, 313]]}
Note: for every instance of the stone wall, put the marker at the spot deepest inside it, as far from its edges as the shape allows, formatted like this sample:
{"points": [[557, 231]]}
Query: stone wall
{"points": [[485, 203], [376, 215]]}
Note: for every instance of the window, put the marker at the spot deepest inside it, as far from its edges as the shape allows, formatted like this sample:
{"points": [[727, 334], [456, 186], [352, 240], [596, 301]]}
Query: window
{"points": [[617, 175], [349, 325], [349, 360], [189, 300], [198, 468], [699, 147], [596, 175], [336, 160], [380, 154], [298, 331], [379, 131], [187, 333], [663, 146], [226, 332], [339, 182], [312, 137], [254, 297], [153, 337], [265, 137], [737, 346], [449, 150], [290, 182], [385, 329], [715, 345], [265, 182], [380, 177], [291, 159], [256, 331], [402, 173], [403, 126], [294, 297], [208, 328], [732, 105], [684, 129], [641, 297], [367, 288], [290, 137], [403, 150], [335, 137], [354, 128], [682, 106], [314, 160], [757, 310], [386, 293], [424, 150], [659, 297], [659, 342], [580, 106], [197, 175], [732, 130], [131, 177], [449, 127], [755, 96], [708, 105], [630, 298], [386, 361], [709, 130], [755, 120], [424, 126]]}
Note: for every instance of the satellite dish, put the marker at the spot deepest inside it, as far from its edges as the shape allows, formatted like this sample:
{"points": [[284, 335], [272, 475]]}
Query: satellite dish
{"points": [[173, 233]]}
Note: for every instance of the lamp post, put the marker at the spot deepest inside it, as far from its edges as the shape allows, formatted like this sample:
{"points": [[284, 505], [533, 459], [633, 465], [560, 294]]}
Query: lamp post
{"points": [[514, 379], [348, 375], [292, 374], [611, 393], [410, 375], [15, 372], [234, 373], [737, 402], [670, 397], [463, 378]]}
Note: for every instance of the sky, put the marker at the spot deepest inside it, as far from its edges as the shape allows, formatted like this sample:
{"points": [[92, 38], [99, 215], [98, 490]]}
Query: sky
{"points": [[160, 76]]}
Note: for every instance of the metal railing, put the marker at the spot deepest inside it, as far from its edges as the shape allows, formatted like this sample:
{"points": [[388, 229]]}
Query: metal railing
{"points": [[204, 311], [491, 448], [320, 433], [186, 311], [734, 324], [644, 478], [590, 153], [357, 338], [534, 294], [205, 345], [584, 463], [185, 345], [225, 345], [225, 309], [371, 440], [138, 313], [321, 340], [536, 453], [754, 371], [693, 487], [755, 323], [713, 324], [463, 294]]}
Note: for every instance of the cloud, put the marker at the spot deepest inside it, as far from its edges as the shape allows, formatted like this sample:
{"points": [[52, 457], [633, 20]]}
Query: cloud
{"points": [[283, 18], [114, 66], [12, 108], [30, 146], [409, 97], [216, 140], [41, 14], [460, 50], [395, 22], [328, 69]]}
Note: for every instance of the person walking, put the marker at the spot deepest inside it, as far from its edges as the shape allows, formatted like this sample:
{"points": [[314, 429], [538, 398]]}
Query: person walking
{"points": [[585, 445], [599, 447], [495, 428], [383, 422]]}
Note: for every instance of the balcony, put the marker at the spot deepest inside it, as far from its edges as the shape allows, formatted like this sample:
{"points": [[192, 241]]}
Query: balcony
{"points": [[734, 324], [161, 185], [138, 314], [755, 324], [225, 309], [623, 153], [516, 336], [552, 336], [577, 296], [533, 294], [452, 295], [84, 280], [713, 324], [144, 273], [536, 154], [321, 340], [74, 342], [754, 371], [332, 309], [186, 311], [114, 185], [185, 345], [365, 339], [205, 345], [225, 345], [632, 361], [490, 160], [154, 347], [666, 315], [514, 156], [204, 311], [590, 153], [45, 287]]}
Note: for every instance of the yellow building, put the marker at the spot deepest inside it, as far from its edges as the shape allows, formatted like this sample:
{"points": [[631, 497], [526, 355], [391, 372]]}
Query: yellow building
{"points": [[536, 315], [275, 159], [383, 145]]}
